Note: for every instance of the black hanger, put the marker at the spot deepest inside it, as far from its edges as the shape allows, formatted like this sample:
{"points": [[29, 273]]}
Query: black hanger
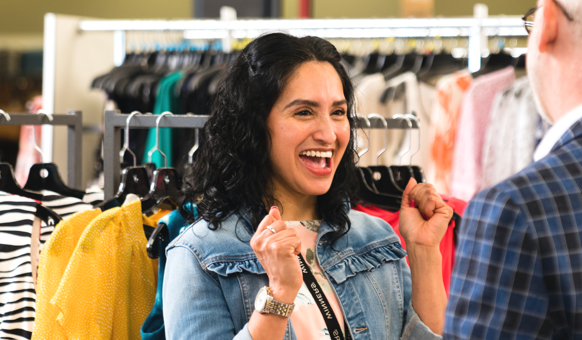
{"points": [[45, 176], [9, 185], [164, 192], [442, 63], [395, 68], [495, 62], [158, 236], [384, 201], [165, 189], [134, 179]]}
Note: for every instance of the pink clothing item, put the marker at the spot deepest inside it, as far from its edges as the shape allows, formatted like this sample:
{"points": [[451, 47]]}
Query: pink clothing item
{"points": [[450, 91], [27, 154], [307, 320], [473, 121]]}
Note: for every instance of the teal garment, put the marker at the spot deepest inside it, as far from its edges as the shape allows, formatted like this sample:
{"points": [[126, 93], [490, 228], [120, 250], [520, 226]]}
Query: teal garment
{"points": [[165, 101], [153, 327]]}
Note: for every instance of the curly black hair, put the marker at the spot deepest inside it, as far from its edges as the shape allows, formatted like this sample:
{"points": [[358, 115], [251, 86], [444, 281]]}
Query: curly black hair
{"points": [[232, 171]]}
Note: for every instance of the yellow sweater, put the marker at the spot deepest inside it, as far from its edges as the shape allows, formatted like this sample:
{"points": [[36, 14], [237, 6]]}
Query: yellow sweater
{"points": [[108, 287]]}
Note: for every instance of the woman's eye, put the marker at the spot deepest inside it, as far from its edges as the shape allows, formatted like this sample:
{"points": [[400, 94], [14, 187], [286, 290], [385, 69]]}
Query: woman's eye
{"points": [[303, 113], [339, 112]]}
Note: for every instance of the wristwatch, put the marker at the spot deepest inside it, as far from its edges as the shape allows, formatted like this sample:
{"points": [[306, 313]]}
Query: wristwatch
{"points": [[264, 303]]}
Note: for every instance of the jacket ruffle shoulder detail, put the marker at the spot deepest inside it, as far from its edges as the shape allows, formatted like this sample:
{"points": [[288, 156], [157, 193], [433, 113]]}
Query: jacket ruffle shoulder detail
{"points": [[236, 265], [366, 259]]}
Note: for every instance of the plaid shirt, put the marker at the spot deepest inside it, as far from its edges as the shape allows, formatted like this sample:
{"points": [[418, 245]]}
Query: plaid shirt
{"points": [[518, 271]]}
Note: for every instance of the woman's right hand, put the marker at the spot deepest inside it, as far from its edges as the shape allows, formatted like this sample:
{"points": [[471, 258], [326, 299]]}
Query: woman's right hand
{"points": [[277, 253]]}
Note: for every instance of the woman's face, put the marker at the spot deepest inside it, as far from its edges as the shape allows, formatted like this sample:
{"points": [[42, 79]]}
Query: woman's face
{"points": [[309, 130]]}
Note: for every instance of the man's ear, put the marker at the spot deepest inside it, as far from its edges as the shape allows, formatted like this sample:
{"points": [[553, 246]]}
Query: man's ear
{"points": [[547, 24]]}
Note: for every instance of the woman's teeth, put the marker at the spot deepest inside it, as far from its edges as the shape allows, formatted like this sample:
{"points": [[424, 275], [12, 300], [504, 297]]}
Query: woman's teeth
{"points": [[312, 153]]}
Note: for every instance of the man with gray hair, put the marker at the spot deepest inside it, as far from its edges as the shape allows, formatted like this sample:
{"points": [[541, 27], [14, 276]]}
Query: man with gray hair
{"points": [[518, 271]]}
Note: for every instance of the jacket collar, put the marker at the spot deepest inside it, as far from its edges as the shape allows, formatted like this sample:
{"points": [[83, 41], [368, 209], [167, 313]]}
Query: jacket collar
{"points": [[245, 215], [574, 132]]}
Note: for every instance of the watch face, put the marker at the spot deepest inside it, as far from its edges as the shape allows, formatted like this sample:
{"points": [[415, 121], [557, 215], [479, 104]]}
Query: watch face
{"points": [[261, 299]]}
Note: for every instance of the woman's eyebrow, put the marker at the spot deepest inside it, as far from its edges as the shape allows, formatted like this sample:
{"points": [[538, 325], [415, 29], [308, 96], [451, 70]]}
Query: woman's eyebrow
{"points": [[312, 103], [302, 102]]}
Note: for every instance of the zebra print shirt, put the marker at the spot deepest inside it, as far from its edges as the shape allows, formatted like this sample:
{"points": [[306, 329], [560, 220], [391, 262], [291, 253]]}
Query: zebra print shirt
{"points": [[20, 247], [17, 293]]}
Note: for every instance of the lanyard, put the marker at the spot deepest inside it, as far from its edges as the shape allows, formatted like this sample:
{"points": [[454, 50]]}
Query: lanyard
{"points": [[333, 327]]}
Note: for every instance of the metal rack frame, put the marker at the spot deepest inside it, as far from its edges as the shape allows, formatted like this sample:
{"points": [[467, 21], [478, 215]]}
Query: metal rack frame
{"points": [[115, 122], [477, 29], [74, 122]]}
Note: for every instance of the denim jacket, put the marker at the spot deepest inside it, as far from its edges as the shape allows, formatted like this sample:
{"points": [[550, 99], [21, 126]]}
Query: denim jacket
{"points": [[212, 278]]}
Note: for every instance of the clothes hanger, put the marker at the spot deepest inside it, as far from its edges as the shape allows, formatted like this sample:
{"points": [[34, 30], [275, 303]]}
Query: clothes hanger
{"points": [[395, 68], [134, 179], [416, 171], [369, 194], [149, 165], [45, 176], [402, 173], [8, 184], [442, 63], [366, 173], [165, 190], [383, 177], [161, 233]]}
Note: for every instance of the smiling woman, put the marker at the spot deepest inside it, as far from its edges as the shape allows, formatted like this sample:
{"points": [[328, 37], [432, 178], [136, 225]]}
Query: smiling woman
{"points": [[281, 136]]}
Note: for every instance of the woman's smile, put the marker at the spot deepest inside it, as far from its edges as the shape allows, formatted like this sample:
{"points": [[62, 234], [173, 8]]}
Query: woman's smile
{"points": [[318, 162]]}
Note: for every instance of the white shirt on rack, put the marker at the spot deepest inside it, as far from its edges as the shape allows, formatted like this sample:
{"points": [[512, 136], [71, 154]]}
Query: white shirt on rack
{"points": [[556, 132]]}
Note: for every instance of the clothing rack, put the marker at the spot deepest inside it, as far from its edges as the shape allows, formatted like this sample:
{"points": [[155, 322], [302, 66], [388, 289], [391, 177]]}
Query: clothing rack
{"points": [[115, 122], [74, 121], [477, 29]]}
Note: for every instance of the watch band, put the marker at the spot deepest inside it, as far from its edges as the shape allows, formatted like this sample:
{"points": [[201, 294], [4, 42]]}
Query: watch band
{"points": [[276, 307]]}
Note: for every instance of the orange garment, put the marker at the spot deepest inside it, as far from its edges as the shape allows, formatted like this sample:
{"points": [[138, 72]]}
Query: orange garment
{"points": [[450, 91], [159, 214], [108, 288], [54, 260]]}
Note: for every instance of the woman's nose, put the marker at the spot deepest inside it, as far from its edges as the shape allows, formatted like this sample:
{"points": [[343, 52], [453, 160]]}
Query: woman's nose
{"points": [[325, 131]]}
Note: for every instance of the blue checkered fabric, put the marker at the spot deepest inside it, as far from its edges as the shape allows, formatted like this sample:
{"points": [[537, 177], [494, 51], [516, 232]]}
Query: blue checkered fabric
{"points": [[518, 271]]}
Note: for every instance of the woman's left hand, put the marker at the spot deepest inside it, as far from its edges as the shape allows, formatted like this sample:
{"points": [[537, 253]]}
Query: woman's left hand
{"points": [[414, 227]]}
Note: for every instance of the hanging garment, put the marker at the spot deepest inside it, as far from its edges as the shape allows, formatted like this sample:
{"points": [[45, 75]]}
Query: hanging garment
{"points": [[466, 172], [94, 195], [53, 263], [306, 318], [450, 91], [19, 228], [368, 94], [27, 154], [447, 246], [165, 101], [512, 133], [417, 96], [153, 327], [108, 287], [63, 206]]}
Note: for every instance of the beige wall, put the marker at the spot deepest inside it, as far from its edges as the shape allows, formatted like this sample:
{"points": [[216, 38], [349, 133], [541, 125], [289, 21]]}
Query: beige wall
{"points": [[26, 16]]}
